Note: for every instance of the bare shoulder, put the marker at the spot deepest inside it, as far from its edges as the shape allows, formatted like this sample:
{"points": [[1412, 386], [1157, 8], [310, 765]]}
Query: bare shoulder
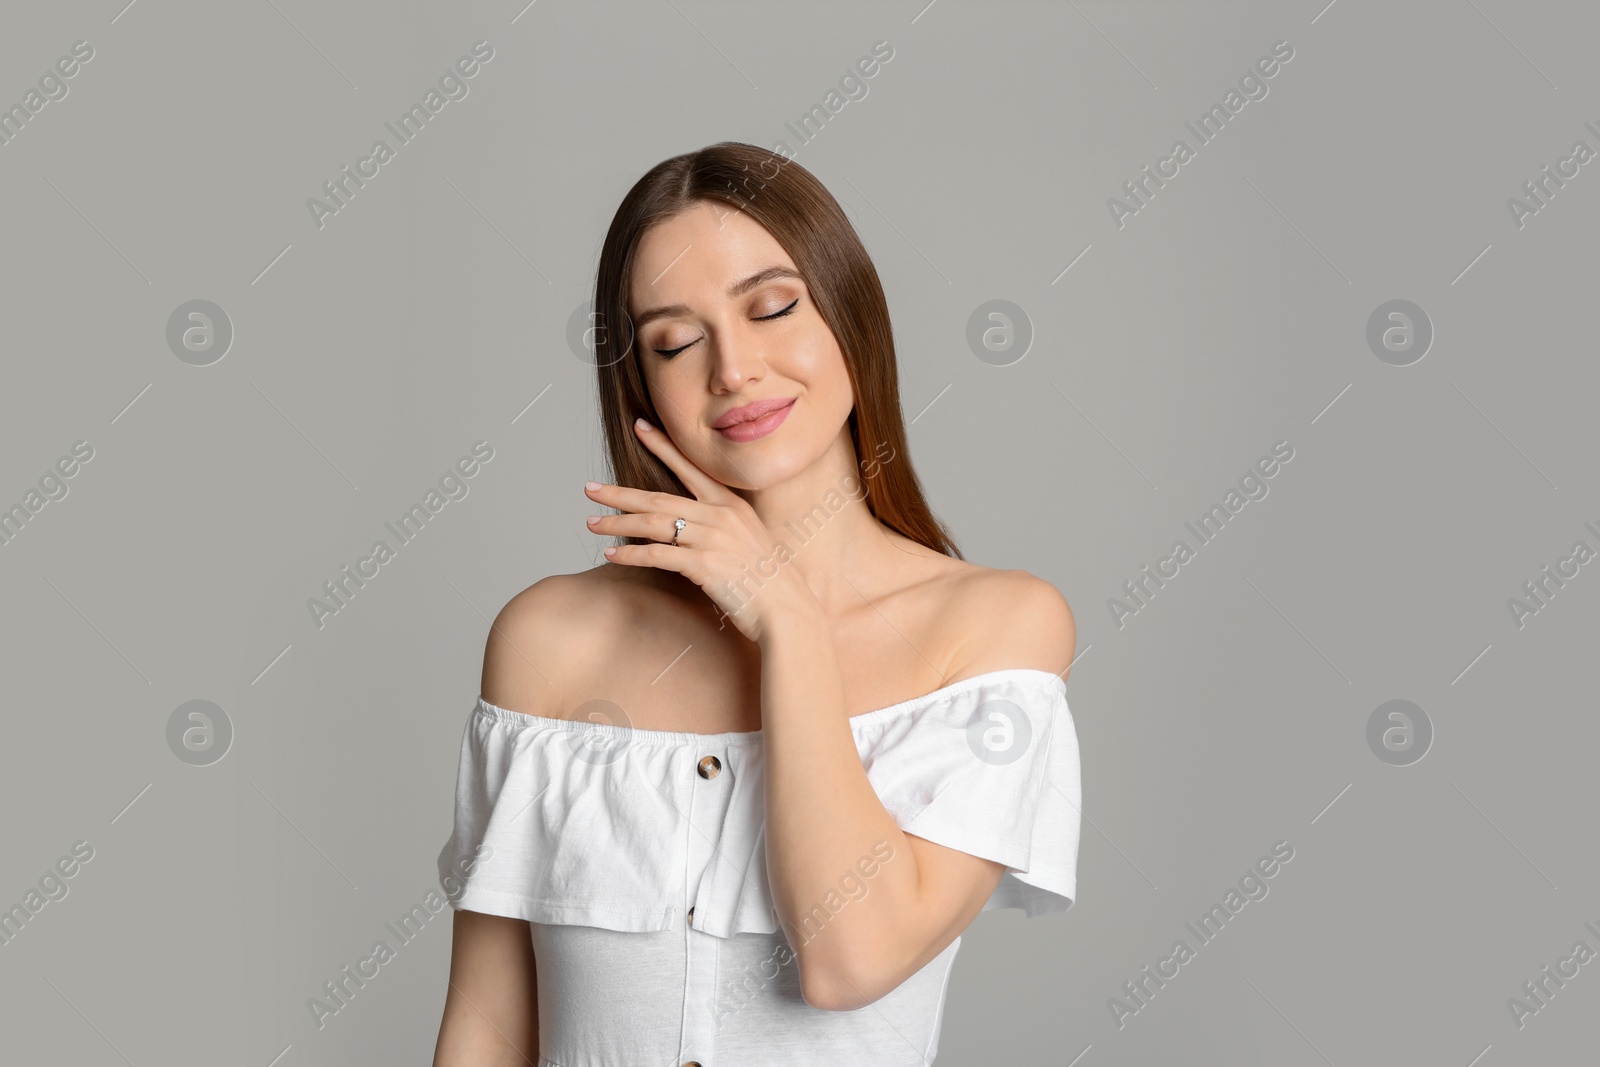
{"points": [[1011, 618], [537, 644]]}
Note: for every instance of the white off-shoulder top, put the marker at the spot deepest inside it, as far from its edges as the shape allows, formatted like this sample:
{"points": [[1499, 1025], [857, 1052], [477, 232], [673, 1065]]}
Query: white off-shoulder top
{"points": [[638, 858]]}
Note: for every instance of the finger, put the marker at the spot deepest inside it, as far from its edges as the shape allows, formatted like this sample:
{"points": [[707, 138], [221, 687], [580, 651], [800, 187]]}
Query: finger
{"points": [[655, 554], [697, 481], [647, 501], [650, 525]]}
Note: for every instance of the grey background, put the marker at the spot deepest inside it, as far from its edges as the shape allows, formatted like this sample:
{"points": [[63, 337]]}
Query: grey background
{"points": [[1228, 314]]}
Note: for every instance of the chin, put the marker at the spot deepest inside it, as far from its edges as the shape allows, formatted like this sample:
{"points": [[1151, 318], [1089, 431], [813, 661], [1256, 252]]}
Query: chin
{"points": [[762, 473]]}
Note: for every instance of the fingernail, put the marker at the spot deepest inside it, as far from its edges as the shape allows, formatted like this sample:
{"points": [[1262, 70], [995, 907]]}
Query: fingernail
{"points": [[641, 423], [591, 486], [611, 552], [593, 519]]}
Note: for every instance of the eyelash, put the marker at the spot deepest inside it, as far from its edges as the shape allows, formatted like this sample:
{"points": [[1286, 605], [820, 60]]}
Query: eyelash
{"points": [[668, 353]]}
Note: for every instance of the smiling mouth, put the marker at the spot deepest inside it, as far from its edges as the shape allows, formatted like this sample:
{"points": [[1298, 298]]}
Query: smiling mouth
{"points": [[760, 426], [750, 412]]}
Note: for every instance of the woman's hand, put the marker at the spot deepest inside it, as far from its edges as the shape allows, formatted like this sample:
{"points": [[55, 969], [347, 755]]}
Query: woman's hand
{"points": [[725, 548]]}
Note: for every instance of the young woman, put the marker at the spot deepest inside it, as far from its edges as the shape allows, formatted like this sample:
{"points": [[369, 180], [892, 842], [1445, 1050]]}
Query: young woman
{"points": [[730, 798]]}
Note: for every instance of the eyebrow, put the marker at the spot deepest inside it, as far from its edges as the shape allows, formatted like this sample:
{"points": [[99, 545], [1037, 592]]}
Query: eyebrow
{"points": [[737, 289]]}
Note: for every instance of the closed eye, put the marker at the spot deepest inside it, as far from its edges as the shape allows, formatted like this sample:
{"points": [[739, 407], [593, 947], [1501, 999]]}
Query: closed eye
{"points": [[779, 314], [667, 353]]}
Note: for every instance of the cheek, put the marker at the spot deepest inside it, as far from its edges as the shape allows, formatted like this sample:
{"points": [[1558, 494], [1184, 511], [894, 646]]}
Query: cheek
{"points": [[668, 400], [818, 362], [676, 409], [669, 393], [679, 426], [830, 381]]}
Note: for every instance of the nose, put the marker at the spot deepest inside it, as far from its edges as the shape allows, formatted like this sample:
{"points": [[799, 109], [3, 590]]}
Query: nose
{"points": [[738, 361]]}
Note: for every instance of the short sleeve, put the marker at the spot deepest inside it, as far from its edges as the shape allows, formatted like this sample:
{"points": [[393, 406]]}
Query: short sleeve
{"points": [[541, 831], [990, 768], [568, 822]]}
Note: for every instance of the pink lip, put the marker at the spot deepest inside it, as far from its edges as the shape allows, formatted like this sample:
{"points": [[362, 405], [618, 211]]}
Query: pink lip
{"points": [[752, 410], [754, 420]]}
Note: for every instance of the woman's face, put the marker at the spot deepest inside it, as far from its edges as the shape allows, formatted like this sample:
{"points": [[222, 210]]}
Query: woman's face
{"points": [[722, 320]]}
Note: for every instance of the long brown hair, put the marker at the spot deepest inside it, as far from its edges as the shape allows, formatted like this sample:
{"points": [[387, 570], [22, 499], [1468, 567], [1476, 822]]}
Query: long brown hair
{"points": [[804, 218]]}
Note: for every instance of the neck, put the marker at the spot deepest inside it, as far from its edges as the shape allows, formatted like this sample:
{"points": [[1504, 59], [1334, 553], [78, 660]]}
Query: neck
{"points": [[833, 540]]}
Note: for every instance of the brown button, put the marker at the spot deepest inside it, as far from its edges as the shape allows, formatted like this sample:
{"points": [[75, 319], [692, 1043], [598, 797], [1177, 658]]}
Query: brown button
{"points": [[691, 916], [692, 1063], [710, 767]]}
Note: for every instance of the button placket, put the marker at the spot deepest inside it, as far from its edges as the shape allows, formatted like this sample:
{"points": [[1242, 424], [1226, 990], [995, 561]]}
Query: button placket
{"points": [[708, 802]]}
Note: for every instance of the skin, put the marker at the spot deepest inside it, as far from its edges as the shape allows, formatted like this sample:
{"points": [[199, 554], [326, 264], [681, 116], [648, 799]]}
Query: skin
{"points": [[856, 618]]}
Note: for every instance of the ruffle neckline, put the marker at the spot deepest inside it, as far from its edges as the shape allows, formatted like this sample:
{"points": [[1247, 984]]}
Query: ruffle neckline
{"points": [[858, 723], [571, 822]]}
